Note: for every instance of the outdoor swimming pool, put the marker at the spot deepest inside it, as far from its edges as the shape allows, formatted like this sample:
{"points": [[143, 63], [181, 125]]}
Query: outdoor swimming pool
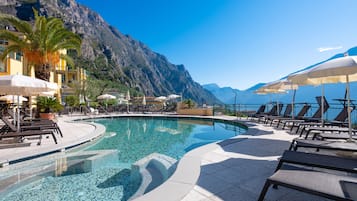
{"points": [[109, 169]]}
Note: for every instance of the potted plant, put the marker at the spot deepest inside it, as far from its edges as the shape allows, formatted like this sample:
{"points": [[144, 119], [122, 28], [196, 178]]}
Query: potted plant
{"points": [[47, 106]]}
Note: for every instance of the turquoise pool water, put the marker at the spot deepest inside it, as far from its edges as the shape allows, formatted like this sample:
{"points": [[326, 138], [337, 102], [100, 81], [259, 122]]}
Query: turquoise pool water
{"points": [[110, 177], [135, 138]]}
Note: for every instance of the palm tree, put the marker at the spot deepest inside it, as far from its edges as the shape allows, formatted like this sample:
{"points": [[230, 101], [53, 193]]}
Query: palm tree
{"points": [[40, 43]]}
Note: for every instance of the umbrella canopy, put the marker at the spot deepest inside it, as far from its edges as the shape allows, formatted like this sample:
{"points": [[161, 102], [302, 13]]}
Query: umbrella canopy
{"points": [[263, 91], [266, 90], [173, 96], [336, 70], [24, 85], [106, 97], [343, 70], [160, 98], [302, 78], [48, 94], [11, 98], [280, 86]]}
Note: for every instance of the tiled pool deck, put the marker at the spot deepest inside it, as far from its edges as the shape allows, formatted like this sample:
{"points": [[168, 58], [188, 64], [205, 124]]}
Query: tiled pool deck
{"points": [[231, 170]]}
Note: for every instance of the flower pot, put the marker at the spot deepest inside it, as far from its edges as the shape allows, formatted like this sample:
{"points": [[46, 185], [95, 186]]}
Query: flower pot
{"points": [[50, 116]]}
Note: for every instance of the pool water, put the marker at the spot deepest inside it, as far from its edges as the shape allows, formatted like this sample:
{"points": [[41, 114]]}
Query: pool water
{"points": [[135, 138], [111, 177]]}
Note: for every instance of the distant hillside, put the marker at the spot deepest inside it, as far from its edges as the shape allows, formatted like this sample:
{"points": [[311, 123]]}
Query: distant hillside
{"points": [[108, 54], [303, 94]]}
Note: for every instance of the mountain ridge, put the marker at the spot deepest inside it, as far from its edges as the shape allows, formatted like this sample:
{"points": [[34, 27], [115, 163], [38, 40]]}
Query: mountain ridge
{"points": [[109, 54]]}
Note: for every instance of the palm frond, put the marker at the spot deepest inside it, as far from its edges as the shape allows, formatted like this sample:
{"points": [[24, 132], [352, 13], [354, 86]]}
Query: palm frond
{"points": [[10, 36], [68, 59], [21, 26], [9, 49]]}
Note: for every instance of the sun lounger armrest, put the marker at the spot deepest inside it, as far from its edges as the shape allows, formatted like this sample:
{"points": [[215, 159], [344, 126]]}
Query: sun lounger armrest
{"points": [[319, 160]]}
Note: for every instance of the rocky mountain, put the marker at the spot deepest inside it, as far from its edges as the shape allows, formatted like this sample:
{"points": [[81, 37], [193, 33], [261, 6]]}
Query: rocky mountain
{"points": [[109, 54]]}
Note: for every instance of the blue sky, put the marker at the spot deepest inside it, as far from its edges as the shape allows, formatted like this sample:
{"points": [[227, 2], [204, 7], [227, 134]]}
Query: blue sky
{"points": [[237, 43]]}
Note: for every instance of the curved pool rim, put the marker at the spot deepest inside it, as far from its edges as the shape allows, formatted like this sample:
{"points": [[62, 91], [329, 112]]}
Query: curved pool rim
{"points": [[187, 172], [188, 169]]}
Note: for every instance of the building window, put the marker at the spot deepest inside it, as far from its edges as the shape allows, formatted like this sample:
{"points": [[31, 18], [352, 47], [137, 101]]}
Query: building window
{"points": [[3, 42], [18, 56]]}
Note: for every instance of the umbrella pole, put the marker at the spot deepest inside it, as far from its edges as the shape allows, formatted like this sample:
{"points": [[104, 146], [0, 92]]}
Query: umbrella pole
{"points": [[30, 105], [323, 104], [18, 113], [348, 109], [13, 109], [293, 104]]}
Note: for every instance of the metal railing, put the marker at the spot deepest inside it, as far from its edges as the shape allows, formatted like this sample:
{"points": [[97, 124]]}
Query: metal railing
{"points": [[245, 109]]}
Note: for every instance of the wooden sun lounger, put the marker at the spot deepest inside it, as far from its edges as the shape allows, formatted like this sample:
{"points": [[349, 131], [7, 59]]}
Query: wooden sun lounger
{"points": [[41, 125], [29, 133], [320, 182], [258, 112], [273, 111], [275, 118], [322, 144], [333, 136], [325, 129], [297, 118]]}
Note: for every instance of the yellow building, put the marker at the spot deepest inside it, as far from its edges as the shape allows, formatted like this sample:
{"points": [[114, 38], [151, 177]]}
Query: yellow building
{"points": [[15, 63]]}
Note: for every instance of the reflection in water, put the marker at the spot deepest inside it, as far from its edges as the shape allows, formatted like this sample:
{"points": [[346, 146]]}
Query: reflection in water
{"points": [[138, 137], [61, 166]]}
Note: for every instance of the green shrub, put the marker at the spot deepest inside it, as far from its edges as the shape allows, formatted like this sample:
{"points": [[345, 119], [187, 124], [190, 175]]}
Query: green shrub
{"points": [[48, 104], [72, 100]]}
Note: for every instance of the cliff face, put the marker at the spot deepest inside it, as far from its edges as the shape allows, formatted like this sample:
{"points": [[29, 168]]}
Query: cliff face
{"points": [[108, 54]]}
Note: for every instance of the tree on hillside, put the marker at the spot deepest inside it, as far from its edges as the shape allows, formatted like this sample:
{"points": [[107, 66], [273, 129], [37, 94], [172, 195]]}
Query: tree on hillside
{"points": [[40, 43]]}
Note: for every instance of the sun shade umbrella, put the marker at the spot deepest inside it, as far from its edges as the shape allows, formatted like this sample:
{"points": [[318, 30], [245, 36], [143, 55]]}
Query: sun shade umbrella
{"points": [[302, 78], [11, 98], [173, 96], [106, 97], [25, 86], [343, 70], [266, 90], [281, 86], [160, 98]]}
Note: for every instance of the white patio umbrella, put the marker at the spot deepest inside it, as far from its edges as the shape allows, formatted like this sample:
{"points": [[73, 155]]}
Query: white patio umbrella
{"points": [[265, 90], [24, 85], [302, 78], [281, 86], [160, 98], [173, 96], [11, 98], [106, 97], [343, 70]]}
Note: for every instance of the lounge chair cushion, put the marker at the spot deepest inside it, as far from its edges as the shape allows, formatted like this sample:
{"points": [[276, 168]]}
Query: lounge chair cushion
{"points": [[311, 181]]}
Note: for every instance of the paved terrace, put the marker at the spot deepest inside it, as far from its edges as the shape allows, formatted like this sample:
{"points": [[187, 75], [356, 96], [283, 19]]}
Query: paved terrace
{"points": [[231, 170], [74, 133]]}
